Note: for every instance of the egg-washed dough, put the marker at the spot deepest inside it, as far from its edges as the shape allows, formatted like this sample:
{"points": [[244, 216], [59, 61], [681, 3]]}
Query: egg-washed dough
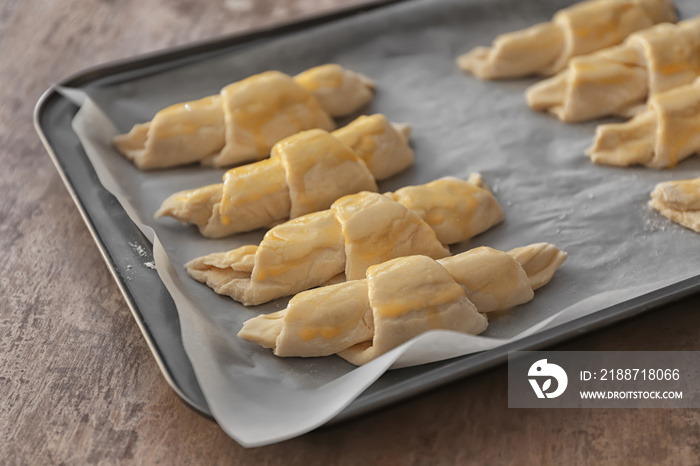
{"points": [[362, 319], [667, 132], [679, 201], [619, 80], [358, 231], [243, 121], [583, 28], [305, 173]]}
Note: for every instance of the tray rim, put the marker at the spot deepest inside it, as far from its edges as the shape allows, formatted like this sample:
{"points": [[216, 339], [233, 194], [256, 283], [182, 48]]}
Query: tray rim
{"points": [[452, 369], [42, 104]]}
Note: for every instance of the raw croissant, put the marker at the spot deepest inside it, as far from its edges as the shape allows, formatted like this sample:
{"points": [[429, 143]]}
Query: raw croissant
{"points": [[305, 173], [618, 80], [358, 231], [667, 132], [583, 28], [402, 298], [679, 201], [243, 121]]}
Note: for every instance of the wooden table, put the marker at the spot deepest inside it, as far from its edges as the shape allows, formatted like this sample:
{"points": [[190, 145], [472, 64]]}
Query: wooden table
{"points": [[78, 384]]}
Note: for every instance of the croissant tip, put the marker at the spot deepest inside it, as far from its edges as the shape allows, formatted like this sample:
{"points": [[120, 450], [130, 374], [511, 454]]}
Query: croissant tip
{"points": [[592, 153], [169, 207], [463, 63], [404, 129], [370, 83], [540, 261], [476, 179], [474, 62]]}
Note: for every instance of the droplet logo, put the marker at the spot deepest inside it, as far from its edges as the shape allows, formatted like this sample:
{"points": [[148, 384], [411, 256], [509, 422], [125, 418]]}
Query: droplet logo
{"points": [[546, 371]]}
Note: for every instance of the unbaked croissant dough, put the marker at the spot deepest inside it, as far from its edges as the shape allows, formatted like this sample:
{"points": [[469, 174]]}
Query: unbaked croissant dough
{"points": [[667, 132], [339, 91], [402, 298], [583, 28], [243, 121], [305, 173], [618, 80], [358, 231], [679, 201]]}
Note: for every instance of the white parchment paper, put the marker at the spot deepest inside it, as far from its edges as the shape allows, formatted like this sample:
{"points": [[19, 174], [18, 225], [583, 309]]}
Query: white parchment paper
{"points": [[618, 247]]}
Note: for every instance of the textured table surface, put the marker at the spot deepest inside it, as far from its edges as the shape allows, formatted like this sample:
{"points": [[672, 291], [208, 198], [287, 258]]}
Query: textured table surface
{"points": [[78, 384]]}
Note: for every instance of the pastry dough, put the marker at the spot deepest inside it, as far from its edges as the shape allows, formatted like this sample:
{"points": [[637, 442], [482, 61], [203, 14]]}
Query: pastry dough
{"points": [[454, 209], [243, 121], [667, 132], [618, 80], [679, 201], [358, 231], [583, 28], [402, 298], [339, 91], [306, 173]]}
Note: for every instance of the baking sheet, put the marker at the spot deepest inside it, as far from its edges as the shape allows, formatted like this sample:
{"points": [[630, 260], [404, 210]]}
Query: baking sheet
{"points": [[618, 248]]}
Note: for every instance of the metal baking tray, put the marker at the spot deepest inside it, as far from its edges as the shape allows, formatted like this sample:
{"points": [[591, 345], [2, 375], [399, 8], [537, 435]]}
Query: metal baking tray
{"points": [[120, 241]]}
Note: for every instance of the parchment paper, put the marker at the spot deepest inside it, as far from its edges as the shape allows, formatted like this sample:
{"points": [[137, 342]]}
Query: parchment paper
{"points": [[618, 247]]}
